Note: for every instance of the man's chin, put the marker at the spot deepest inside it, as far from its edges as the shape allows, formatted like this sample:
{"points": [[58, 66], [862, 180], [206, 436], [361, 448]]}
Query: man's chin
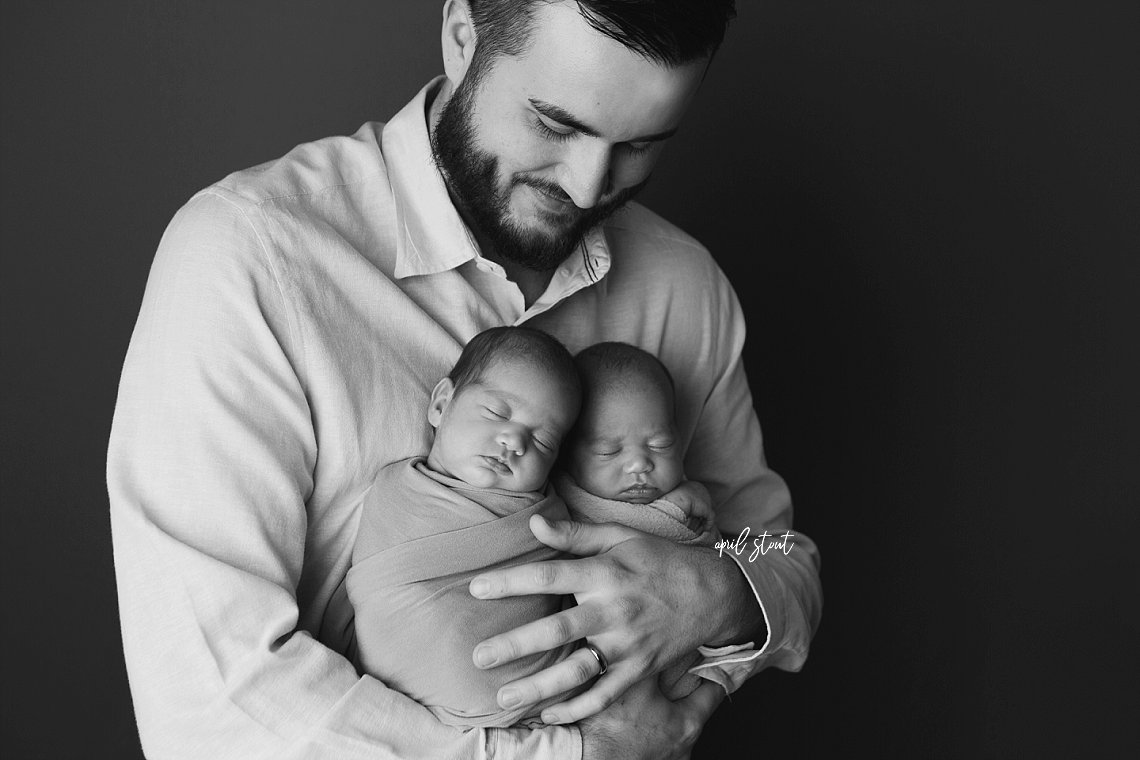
{"points": [[543, 225], [539, 246]]}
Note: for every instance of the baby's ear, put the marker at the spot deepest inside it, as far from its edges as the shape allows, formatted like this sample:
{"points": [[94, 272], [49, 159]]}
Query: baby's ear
{"points": [[440, 398]]}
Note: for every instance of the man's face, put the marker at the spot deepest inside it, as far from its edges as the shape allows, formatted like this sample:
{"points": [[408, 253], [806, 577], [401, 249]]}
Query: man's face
{"points": [[626, 446], [504, 430], [547, 144]]}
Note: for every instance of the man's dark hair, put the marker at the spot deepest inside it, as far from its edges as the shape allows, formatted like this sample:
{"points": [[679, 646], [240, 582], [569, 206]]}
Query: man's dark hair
{"points": [[670, 32], [615, 365], [524, 344]]}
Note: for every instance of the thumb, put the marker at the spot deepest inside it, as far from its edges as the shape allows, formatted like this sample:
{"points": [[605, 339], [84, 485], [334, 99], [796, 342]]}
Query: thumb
{"points": [[583, 539]]}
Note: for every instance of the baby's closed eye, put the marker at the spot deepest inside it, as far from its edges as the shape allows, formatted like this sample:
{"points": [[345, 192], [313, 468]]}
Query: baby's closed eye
{"points": [[497, 414]]}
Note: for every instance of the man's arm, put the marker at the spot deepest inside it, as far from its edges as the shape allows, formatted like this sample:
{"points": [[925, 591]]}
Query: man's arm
{"points": [[727, 455], [210, 467]]}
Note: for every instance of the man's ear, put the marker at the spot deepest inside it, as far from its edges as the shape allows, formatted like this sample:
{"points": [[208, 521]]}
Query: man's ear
{"points": [[440, 398], [458, 40]]}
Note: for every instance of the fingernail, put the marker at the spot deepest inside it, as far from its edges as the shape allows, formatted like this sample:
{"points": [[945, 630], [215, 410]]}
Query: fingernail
{"points": [[510, 698], [549, 718], [480, 587], [485, 657]]}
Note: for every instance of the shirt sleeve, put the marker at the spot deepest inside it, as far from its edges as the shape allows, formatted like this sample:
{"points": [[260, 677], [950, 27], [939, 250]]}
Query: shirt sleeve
{"points": [[209, 471], [727, 455]]}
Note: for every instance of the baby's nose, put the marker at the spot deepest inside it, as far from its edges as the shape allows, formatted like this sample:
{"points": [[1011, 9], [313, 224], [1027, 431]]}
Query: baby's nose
{"points": [[512, 441], [639, 463]]}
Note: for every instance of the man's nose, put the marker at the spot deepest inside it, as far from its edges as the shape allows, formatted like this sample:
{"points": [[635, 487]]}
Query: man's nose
{"points": [[585, 173], [512, 440]]}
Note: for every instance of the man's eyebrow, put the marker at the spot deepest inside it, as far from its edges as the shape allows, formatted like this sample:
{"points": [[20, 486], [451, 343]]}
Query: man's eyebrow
{"points": [[562, 116]]}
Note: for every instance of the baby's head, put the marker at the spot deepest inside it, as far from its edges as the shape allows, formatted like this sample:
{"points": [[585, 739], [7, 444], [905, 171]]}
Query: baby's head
{"points": [[501, 415], [624, 446]]}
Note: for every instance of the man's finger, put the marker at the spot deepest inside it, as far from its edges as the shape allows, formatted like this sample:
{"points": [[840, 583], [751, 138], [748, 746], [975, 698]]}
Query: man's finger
{"points": [[542, 635], [561, 678], [600, 696], [556, 576], [583, 539]]}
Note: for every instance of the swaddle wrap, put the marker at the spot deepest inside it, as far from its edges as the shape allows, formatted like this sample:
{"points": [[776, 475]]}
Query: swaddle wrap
{"points": [[422, 538], [683, 515]]}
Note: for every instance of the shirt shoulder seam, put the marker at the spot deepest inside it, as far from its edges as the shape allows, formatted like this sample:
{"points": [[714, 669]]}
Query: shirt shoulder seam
{"points": [[223, 194]]}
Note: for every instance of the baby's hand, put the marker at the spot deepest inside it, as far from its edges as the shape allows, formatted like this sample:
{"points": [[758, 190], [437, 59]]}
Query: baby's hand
{"points": [[693, 499]]}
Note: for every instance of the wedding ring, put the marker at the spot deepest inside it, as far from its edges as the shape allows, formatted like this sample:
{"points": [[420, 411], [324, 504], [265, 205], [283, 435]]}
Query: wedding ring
{"points": [[601, 658]]}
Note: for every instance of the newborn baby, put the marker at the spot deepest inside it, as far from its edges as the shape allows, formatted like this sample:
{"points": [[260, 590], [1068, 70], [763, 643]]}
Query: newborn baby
{"points": [[623, 462], [624, 447], [428, 526]]}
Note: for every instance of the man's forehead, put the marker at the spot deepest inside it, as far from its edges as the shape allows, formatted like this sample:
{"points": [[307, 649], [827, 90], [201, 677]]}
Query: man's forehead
{"points": [[574, 67]]}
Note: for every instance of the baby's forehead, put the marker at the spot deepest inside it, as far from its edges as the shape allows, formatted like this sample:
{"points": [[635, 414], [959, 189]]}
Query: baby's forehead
{"points": [[632, 406], [624, 391], [521, 373], [518, 379]]}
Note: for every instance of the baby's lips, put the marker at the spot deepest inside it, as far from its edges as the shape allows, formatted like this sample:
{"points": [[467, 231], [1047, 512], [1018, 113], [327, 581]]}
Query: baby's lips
{"points": [[641, 491], [498, 464]]}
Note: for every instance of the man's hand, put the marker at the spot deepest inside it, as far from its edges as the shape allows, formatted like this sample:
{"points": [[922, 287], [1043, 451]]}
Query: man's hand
{"points": [[643, 601], [644, 724]]}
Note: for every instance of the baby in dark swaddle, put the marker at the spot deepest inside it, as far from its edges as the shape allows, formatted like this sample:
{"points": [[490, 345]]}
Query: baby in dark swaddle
{"points": [[622, 463], [430, 525]]}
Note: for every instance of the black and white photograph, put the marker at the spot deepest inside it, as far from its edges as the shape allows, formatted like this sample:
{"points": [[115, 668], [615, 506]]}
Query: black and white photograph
{"points": [[570, 379]]}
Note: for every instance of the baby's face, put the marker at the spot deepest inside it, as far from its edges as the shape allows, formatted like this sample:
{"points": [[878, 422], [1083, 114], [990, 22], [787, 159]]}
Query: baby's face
{"points": [[503, 431], [626, 448]]}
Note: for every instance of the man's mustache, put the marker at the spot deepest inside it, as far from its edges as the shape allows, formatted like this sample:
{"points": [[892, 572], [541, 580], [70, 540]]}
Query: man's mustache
{"points": [[554, 190]]}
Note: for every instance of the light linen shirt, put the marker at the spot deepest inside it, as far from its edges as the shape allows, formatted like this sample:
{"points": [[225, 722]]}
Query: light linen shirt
{"points": [[297, 316]]}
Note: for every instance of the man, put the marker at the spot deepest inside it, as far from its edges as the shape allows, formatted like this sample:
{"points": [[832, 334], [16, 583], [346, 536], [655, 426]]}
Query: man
{"points": [[295, 321]]}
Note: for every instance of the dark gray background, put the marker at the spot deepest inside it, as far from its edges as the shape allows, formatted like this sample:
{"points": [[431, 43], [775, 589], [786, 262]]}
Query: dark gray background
{"points": [[928, 209]]}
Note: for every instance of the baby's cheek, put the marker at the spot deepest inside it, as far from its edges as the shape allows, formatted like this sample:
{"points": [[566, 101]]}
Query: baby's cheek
{"points": [[674, 473], [575, 465], [532, 478], [595, 477]]}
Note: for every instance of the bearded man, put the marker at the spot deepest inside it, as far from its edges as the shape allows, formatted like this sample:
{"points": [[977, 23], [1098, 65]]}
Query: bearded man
{"points": [[295, 320]]}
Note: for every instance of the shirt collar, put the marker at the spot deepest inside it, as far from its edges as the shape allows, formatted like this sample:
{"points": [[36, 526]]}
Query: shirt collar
{"points": [[431, 236]]}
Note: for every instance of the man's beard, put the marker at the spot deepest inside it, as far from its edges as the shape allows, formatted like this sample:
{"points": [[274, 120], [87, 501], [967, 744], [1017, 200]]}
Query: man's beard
{"points": [[472, 178]]}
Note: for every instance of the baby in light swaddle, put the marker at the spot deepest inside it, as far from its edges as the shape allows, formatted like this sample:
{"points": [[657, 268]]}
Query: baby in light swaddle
{"points": [[430, 525]]}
